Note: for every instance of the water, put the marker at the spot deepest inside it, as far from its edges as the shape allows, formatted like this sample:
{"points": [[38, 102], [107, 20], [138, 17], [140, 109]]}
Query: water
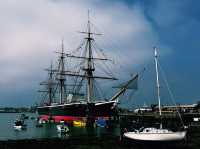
{"points": [[47, 131], [7, 131], [87, 137]]}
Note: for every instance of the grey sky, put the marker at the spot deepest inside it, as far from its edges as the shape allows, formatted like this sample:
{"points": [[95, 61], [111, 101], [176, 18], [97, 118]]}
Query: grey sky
{"points": [[31, 30]]}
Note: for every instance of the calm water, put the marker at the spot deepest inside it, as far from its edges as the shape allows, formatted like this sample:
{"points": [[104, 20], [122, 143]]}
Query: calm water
{"points": [[47, 131]]}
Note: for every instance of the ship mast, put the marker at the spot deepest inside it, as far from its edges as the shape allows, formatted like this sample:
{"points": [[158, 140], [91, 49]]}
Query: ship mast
{"points": [[49, 83], [50, 88], [61, 70], [89, 63], [158, 84], [89, 70]]}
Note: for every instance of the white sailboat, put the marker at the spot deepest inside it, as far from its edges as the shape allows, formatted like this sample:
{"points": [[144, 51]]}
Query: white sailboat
{"points": [[156, 134]]}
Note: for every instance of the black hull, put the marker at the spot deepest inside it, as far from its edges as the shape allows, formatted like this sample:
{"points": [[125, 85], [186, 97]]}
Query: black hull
{"points": [[104, 109]]}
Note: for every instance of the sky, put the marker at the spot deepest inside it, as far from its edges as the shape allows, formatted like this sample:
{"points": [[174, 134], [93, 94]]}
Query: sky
{"points": [[31, 32]]}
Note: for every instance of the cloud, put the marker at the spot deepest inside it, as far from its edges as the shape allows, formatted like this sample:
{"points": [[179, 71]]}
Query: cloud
{"points": [[32, 30]]}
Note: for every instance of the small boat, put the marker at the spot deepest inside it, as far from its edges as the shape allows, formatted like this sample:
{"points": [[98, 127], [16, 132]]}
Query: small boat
{"points": [[42, 121], [19, 125], [79, 124], [101, 122], [156, 134], [62, 128], [62, 122]]}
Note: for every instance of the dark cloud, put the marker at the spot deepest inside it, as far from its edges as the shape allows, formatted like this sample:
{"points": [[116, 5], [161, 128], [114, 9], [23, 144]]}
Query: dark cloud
{"points": [[32, 30]]}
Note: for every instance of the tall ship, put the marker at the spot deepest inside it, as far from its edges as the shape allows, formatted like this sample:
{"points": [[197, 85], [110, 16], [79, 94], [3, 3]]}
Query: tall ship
{"points": [[72, 81]]}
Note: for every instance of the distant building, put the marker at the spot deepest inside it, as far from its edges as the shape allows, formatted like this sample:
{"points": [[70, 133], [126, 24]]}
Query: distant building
{"points": [[143, 110], [181, 108], [185, 108]]}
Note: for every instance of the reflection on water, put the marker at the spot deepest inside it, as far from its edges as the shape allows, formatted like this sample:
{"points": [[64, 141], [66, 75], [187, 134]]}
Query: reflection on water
{"points": [[63, 135]]}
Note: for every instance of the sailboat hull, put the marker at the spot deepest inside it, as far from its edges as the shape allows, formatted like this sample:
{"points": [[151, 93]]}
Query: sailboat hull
{"points": [[173, 136]]}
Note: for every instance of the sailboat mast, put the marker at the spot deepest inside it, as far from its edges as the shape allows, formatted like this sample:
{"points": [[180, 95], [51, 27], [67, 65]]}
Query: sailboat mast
{"points": [[90, 68], [157, 80]]}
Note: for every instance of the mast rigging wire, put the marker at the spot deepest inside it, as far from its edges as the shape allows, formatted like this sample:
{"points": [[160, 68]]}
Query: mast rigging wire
{"points": [[170, 93]]}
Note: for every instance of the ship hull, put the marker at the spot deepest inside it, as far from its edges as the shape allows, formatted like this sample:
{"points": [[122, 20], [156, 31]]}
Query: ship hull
{"points": [[75, 111]]}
